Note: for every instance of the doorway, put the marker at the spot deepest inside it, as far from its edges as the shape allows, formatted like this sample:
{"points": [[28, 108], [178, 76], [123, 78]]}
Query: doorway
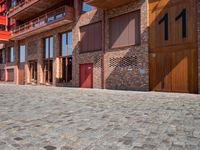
{"points": [[86, 75], [33, 72], [48, 71]]}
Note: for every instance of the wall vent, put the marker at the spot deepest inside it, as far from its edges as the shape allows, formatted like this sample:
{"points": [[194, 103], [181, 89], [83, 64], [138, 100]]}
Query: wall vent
{"points": [[123, 61]]}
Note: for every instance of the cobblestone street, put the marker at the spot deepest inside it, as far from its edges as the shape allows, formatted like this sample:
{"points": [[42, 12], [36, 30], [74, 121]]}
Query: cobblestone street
{"points": [[40, 117]]}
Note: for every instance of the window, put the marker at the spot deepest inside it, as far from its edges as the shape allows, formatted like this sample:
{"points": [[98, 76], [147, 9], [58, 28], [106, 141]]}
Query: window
{"points": [[125, 30], [48, 47], [13, 3], [22, 53], [11, 55], [91, 37], [66, 40], [53, 17], [66, 53], [2, 56], [86, 7]]}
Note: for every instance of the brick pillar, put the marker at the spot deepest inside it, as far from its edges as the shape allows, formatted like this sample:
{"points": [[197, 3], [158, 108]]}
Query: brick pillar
{"points": [[26, 66], [16, 62], [198, 33], [40, 63], [56, 58], [77, 5]]}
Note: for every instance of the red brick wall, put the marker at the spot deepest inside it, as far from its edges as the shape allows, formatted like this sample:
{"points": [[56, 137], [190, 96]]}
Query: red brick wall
{"points": [[135, 77], [92, 57], [129, 78]]}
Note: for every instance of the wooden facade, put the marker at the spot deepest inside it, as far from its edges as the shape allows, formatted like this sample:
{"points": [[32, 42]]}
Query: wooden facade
{"points": [[173, 45]]}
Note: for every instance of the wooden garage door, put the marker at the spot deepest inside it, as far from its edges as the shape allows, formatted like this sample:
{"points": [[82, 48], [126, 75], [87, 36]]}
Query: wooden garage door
{"points": [[173, 45]]}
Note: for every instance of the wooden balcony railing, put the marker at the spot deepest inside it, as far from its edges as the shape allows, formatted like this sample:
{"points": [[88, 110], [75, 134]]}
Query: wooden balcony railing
{"points": [[63, 13]]}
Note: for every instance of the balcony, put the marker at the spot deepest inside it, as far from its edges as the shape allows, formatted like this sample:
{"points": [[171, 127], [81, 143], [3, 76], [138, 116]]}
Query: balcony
{"points": [[3, 20], [4, 36], [107, 4], [28, 8], [61, 16]]}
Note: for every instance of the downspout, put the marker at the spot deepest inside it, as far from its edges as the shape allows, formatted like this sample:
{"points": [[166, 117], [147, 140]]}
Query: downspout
{"points": [[104, 50]]}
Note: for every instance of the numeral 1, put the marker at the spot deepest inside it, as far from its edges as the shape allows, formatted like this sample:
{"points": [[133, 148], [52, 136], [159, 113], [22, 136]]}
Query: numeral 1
{"points": [[166, 28], [182, 16]]}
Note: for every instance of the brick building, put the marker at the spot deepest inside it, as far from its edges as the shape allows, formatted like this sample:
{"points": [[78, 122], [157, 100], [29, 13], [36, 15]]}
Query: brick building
{"points": [[131, 44]]}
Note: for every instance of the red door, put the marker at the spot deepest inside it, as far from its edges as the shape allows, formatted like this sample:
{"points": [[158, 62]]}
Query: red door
{"points": [[86, 75]]}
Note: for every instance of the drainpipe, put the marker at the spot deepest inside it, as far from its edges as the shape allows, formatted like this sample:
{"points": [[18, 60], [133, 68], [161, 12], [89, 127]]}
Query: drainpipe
{"points": [[104, 50]]}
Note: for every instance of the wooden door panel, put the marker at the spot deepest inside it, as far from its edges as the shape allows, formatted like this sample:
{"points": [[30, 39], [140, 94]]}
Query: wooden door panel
{"points": [[180, 71], [175, 66], [86, 75], [160, 65]]}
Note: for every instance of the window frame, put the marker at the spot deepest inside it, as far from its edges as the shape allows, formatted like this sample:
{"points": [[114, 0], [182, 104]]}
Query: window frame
{"points": [[11, 55], [49, 47], [67, 44], [20, 54]]}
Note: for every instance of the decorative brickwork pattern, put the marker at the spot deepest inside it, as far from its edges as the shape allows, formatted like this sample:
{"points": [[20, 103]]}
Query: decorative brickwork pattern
{"points": [[123, 61]]}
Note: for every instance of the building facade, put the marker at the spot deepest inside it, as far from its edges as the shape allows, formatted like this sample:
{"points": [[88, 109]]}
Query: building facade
{"points": [[126, 45]]}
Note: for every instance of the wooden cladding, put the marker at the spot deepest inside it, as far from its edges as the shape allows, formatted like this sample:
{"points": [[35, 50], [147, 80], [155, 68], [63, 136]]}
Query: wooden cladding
{"points": [[174, 71], [91, 37], [125, 30], [173, 45], [171, 23]]}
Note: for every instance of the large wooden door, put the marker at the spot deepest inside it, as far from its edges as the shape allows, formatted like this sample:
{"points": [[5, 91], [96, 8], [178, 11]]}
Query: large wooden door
{"points": [[173, 45], [86, 75]]}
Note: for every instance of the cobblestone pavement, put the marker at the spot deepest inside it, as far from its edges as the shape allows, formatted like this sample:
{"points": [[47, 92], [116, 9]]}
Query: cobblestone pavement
{"points": [[48, 118]]}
